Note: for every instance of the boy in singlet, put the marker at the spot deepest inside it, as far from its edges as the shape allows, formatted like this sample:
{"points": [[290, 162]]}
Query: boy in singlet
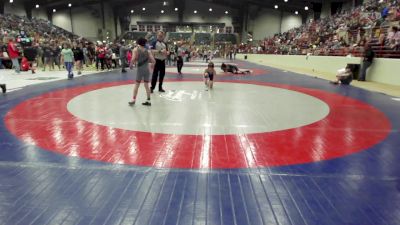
{"points": [[142, 57], [209, 74]]}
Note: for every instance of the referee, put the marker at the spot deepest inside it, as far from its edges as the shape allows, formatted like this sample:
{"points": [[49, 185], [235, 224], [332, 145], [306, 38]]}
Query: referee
{"points": [[159, 50]]}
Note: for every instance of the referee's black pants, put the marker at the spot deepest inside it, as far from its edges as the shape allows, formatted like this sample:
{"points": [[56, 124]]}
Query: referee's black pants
{"points": [[159, 71]]}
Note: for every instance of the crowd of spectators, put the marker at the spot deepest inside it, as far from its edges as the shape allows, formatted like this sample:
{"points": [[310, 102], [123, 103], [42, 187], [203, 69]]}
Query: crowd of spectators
{"points": [[40, 43], [375, 22]]}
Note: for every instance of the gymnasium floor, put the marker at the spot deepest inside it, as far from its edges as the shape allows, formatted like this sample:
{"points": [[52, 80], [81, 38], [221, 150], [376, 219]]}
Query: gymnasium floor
{"points": [[270, 148]]}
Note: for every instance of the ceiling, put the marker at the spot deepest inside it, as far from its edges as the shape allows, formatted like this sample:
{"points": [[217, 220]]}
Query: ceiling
{"points": [[291, 5]]}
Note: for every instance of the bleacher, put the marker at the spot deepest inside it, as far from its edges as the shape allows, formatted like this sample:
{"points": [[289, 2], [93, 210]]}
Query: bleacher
{"points": [[202, 39], [225, 38], [179, 36]]}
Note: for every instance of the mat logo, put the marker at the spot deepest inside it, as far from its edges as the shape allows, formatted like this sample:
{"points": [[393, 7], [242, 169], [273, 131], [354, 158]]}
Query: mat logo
{"points": [[182, 95]]}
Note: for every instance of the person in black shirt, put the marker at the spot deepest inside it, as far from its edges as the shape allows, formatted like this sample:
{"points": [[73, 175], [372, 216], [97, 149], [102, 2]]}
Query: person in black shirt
{"points": [[3, 48], [48, 57], [3, 88], [367, 62], [78, 56], [56, 55], [30, 54]]}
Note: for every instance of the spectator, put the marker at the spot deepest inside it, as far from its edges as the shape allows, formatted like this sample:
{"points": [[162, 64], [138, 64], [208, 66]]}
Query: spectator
{"points": [[78, 57], [30, 53], [3, 88], [67, 56], [366, 62], [48, 57], [13, 54]]}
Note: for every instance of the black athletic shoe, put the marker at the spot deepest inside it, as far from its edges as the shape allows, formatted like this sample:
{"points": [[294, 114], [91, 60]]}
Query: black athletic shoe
{"points": [[131, 103], [3, 88], [146, 103], [123, 71], [161, 90]]}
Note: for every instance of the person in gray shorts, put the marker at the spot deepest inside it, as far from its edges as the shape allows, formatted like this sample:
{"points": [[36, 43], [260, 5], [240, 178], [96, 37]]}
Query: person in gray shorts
{"points": [[142, 58]]}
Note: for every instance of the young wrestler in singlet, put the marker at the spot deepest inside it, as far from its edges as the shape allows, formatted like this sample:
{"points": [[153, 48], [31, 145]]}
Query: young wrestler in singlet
{"points": [[209, 74]]}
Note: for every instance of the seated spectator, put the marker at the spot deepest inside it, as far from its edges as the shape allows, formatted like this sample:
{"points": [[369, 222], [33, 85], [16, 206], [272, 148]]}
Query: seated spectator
{"points": [[344, 76], [393, 39]]}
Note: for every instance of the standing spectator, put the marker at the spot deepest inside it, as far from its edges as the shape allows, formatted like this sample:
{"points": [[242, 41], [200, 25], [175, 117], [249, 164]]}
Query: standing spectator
{"points": [[13, 54], [159, 49], [40, 61], [30, 53], [100, 56], [91, 53], [78, 56], [85, 55], [367, 62], [3, 52], [123, 53], [108, 57], [67, 56], [56, 54], [3, 88], [48, 57]]}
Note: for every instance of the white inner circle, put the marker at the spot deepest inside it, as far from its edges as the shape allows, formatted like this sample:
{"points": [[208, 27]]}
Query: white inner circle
{"points": [[186, 108]]}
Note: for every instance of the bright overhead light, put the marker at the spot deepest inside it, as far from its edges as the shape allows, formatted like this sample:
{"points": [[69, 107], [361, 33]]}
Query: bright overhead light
{"points": [[195, 11], [306, 8], [226, 12], [164, 3], [144, 9], [210, 9], [37, 6], [176, 9], [11, 1], [54, 10], [296, 12], [286, 0], [162, 11], [69, 5], [132, 11], [276, 6]]}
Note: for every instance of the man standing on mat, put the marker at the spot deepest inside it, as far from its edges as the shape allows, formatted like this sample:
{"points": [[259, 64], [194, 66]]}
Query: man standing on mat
{"points": [[160, 52]]}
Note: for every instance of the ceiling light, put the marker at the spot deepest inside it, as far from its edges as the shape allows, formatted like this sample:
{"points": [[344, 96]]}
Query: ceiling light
{"points": [[276, 6], [286, 0], [162, 11], [210, 9], [37, 6], [296, 12], [54, 10], [144, 9], [306, 8], [164, 3], [226, 12], [195, 11], [176, 9], [11, 1], [132, 11], [69, 5]]}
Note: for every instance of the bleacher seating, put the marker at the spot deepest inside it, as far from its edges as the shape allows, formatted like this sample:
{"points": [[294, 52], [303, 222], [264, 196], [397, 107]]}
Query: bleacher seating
{"points": [[202, 39], [225, 38], [179, 36]]}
